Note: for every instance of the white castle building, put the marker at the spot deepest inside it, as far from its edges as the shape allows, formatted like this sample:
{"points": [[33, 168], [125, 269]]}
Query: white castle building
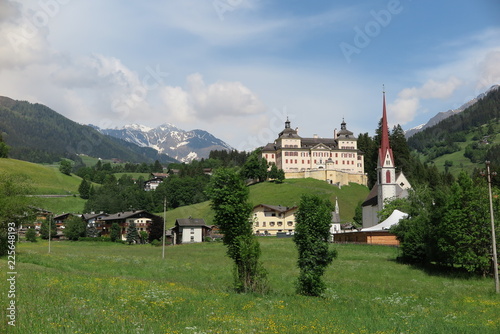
{"points": [[336, 160]]}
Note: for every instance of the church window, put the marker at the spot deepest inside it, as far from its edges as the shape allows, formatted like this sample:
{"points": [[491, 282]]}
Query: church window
{"points": [[388, 176]]}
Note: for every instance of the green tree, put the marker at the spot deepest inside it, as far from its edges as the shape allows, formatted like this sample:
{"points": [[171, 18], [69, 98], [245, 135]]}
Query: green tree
{"points": [[4, 149], [132, 234], [75, 227], [390, 205], [255, 168], [92, 231], [157, 167], [65, 166], [273, 172], [463, 233], [229, 198], [416, 233], [84, 189], [143, 236], [31, 235], [358, 215], [44, 228], [115, 233], [311, 238], [13, 207]]}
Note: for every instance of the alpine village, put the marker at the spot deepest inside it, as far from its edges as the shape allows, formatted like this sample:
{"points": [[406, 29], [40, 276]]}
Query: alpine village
{"points": [[108, 227]]}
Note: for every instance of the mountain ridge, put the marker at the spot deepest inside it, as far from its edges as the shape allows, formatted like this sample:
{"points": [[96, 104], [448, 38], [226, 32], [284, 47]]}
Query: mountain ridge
{"points": [[167, 138], [36, 133], [440, 116]]}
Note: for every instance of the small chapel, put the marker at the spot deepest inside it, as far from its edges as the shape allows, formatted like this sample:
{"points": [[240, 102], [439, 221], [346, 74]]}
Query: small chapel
{"points": [[390, 184]]}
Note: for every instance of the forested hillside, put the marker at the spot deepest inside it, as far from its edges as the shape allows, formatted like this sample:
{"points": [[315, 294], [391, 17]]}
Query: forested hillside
{"points": [[473, 131], [37, 133]]}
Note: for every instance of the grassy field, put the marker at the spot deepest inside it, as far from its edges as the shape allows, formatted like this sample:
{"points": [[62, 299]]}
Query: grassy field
{"points": [[83, 287], [45, 179]]}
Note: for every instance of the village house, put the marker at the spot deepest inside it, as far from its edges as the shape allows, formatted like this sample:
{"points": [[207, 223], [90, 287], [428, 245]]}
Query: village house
{"points": [[60, 222], [335, 160], [189, 230], [155, 179], [141, 218], [273, 219]]}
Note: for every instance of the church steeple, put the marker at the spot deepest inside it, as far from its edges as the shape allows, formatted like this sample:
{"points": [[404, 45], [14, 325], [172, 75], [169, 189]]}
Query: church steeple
{"points": [[386, 177], [385, 151]]}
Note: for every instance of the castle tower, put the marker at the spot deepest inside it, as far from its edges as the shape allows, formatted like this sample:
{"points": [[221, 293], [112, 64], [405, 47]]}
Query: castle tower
{"points": [[386, 168]]}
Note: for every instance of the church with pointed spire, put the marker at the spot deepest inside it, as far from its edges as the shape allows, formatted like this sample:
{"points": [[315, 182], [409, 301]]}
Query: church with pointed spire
{"points": [[390, 185], [335, 160]]}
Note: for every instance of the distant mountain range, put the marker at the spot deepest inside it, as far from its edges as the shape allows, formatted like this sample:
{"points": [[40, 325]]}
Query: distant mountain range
{"points": [[445, 114], [37, 133], [168, 139]]}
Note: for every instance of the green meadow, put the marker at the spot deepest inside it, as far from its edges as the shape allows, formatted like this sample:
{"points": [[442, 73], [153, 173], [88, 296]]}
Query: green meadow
{"points": [[86, 287]]}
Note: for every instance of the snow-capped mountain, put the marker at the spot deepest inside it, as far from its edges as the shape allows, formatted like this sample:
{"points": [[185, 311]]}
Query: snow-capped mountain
{"points": [[445, 114], [182, 145]]}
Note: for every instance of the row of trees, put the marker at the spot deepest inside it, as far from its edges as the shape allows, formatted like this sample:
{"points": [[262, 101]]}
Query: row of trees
{"points": [[448, 226], [229, 197]]}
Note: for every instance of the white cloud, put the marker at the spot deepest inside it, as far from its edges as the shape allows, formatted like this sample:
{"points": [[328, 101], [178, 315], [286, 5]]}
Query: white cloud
{"points": [[489, 70], [405, 107], [212, 102]]}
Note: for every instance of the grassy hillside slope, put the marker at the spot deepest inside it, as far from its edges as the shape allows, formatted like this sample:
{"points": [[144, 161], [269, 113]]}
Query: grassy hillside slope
{"points": [[47, 180], [286, 194], [459, 161]]}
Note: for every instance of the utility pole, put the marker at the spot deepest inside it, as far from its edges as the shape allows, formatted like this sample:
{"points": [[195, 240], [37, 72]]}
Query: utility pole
{"points": [[50, 218], [164, 226], [493, 237]]}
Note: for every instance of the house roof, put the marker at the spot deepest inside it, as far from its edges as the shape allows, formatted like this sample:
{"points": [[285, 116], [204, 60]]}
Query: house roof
{"points": [[62, 216], [372, 198], [277, 208], [392, 220], [159, 175], [88, 216], [190, 222], [127, 214]]}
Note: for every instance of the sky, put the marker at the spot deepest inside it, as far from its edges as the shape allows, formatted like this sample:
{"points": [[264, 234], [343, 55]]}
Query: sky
{"points": [[239, 68]]}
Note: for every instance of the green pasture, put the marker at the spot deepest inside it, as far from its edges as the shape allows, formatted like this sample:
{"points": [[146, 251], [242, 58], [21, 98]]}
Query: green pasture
{"points": [[44, 179], [86, 287]]}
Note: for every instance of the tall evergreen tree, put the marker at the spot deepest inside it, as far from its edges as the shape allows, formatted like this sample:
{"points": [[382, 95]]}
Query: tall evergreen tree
{"points": [[312, 232], [229, 197], [84, 189], [116, 232], [132, 234], [4, 149]]}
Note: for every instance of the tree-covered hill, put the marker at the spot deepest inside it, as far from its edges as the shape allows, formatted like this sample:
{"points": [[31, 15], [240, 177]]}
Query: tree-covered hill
{"points": [[37, 133], [469, 135]]}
